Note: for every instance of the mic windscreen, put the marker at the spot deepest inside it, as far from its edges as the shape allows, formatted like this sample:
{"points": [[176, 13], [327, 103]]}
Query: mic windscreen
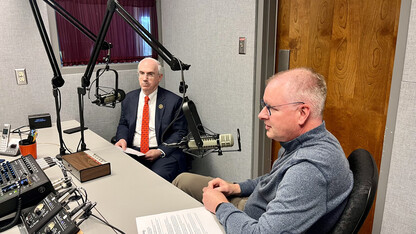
{"points": [[120, 95], [210, 142], [226, 140]]}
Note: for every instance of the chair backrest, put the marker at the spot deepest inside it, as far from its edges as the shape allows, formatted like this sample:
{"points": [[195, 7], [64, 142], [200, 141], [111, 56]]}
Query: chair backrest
{"points": [[359, 203]]}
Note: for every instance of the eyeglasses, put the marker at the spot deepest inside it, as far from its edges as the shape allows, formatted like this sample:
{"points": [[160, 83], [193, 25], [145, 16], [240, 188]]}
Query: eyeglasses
{"points": [[263, 105]]}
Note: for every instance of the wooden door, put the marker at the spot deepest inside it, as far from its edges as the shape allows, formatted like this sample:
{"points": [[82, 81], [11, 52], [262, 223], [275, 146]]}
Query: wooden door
{"points": [[352, 43]]}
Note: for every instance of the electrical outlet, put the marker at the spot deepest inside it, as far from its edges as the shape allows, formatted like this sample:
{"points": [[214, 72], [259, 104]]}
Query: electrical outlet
{"points": [[21, 77]]}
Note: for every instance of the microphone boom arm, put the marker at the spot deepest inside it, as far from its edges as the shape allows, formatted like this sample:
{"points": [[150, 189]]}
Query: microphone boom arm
{"points": [[57, 80]]}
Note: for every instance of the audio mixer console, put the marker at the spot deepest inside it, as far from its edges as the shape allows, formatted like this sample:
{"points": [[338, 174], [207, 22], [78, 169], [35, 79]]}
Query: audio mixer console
{"points": [[25, 173]]}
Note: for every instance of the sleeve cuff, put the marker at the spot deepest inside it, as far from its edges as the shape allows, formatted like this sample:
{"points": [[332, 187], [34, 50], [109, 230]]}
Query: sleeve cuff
{"points": [[216, 208], [163, 153]]}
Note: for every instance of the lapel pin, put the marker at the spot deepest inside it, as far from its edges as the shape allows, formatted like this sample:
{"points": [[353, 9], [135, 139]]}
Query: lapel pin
{"points": [[160, 106]]}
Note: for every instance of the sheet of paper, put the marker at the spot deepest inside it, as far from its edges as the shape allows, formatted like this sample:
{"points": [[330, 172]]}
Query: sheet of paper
{"points": [[132, 151], [195, 220]]}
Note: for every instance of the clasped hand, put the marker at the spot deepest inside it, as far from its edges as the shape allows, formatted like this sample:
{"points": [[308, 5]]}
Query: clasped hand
{"points": [[217, 192]]}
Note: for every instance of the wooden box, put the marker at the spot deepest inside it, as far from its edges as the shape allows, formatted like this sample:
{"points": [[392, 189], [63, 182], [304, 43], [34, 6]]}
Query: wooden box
{"points": [[86, 165]]}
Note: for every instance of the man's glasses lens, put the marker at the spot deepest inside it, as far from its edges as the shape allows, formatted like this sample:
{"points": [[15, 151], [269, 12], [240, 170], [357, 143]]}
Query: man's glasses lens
{"points": [[263, 105]]}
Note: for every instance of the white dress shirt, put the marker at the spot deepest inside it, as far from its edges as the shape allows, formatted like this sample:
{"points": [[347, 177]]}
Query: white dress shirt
{"points": [[152, 118]]}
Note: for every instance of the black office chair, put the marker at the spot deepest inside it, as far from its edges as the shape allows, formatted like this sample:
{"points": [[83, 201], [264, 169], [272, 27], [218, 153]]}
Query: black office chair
{"points": [[365, 173]]}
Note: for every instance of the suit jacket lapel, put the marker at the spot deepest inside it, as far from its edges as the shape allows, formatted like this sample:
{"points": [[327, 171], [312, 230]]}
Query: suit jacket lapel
{"points": [[134, 105], [160, 109]]}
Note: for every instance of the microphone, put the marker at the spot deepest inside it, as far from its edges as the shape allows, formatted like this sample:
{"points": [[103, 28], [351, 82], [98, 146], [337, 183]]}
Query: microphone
{"points": [[110, 98], [208, 142]]}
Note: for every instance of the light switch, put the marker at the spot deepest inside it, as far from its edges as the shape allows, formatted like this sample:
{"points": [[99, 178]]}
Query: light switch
{"points": [[242, 45], [21, 76]]}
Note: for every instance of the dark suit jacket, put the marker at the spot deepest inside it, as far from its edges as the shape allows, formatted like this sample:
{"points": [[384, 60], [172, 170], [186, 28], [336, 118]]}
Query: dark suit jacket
{"points": [[167, 104]]}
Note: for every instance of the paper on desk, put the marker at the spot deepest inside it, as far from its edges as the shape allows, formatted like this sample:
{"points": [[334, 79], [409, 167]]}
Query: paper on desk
{"points": [[132, 151], [195, 220]]}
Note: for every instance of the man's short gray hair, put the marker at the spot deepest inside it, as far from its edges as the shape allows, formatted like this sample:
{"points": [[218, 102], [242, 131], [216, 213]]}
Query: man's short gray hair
{"points": [[310, 87], [159, 65]]}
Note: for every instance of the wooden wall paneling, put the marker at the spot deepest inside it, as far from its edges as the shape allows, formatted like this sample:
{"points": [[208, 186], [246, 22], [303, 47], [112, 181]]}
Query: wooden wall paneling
{"points": [[283, 21], [320, 33], [299, 32], [341, 81], [344, 114], [361, 68]]}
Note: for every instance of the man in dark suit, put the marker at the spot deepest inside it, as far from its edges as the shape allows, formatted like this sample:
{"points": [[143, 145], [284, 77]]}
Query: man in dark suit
{"points": [[162, 106]]}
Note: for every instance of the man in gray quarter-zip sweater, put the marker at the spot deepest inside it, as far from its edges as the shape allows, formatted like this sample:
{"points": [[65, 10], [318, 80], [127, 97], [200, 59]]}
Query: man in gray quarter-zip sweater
{"points": [[308, 186]]}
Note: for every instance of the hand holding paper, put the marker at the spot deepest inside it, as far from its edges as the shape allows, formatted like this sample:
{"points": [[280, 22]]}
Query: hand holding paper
{"points": [[132, 151]]}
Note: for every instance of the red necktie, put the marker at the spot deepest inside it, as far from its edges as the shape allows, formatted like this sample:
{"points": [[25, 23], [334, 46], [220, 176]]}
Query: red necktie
{"points": [[144, 141]]}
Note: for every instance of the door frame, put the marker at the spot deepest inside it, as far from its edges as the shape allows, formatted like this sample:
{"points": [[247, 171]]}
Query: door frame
{"points": [[401, 42], [265, 56]]}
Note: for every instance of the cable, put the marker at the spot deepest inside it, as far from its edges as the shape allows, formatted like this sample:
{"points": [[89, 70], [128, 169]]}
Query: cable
{"points": [[83, 194], [17, 130], [79, 143], [180, 107], [16, 218], [212, 132], [59, 96], [18, 211], [66, 148], [106, 223], [101, 88], [60, 99], [80, 192], [81, 108], [89, 88]]}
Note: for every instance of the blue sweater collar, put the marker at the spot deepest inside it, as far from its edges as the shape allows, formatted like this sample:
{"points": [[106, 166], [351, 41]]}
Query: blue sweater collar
{"points": [[294, 144]]}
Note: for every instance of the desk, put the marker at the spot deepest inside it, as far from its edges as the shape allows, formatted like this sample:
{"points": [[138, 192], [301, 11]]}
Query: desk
{"points": [[132, 190]]}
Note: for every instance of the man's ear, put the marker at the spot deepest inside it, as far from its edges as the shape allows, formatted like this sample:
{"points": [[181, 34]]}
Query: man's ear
{"points": [[304, 112]]}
